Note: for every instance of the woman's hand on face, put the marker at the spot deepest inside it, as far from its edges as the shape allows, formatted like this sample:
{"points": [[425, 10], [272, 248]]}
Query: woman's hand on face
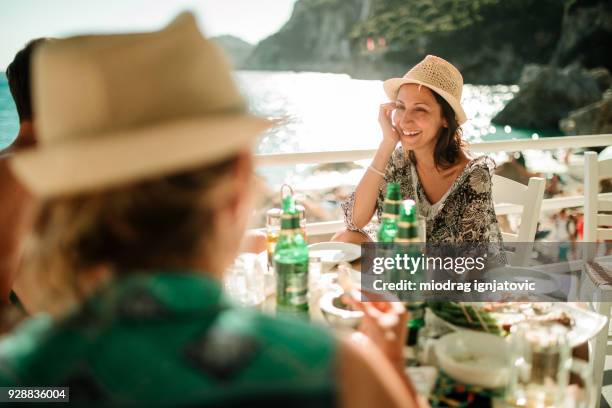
{"points": [[384, 323], [385, 120]]}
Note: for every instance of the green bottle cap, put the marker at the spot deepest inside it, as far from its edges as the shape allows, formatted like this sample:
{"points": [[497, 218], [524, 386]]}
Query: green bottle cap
{"points": [[407, 224], [408, 211]]}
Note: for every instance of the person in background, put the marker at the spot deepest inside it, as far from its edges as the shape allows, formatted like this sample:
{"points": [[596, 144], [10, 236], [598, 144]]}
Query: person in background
{"points": [[561, 222], [432, 165], [19, 80], [515, 169], [554, 186], [16, 201], [136, 229]]}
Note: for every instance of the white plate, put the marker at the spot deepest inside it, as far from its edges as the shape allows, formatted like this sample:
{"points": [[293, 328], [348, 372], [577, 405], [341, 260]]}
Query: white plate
{"points": [[335, 252], [586, 323]]}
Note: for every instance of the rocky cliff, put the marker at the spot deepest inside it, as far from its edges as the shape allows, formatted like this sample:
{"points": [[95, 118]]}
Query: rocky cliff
{"points": [[237, 50], [317, 37], [489, 40], [586, 34], [567, 93], [550, 46], [548, 94]]}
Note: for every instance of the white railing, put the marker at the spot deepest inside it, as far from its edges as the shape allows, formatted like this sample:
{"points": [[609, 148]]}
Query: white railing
{"points": [[548, 143], [341, 156], [328, 227]]}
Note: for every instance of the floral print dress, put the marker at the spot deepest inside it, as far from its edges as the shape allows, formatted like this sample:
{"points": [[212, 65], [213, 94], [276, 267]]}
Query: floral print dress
{"points": [[464, 214]]}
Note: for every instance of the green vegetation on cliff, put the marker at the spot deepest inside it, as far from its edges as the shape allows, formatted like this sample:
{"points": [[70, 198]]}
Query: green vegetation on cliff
{"points": [[490, 41], [480, 36]]}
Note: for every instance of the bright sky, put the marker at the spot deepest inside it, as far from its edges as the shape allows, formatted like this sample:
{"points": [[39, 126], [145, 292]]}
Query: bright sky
{"points": [[22, 20]]}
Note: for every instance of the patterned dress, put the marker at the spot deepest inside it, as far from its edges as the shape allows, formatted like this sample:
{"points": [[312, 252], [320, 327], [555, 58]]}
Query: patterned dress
{"points": [[464, 214]]}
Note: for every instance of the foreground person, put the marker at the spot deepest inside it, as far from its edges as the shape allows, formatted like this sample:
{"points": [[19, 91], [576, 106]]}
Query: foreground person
{"points": [[138, 224], [432, 165], [15, 205]]}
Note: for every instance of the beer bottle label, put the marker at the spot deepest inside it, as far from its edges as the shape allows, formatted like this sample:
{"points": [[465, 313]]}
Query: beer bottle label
{"points": [[292, 284]]}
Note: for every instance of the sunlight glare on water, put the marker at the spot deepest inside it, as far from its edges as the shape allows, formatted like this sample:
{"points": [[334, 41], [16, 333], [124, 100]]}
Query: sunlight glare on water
{"points": [[324, 112], [319, 111]]}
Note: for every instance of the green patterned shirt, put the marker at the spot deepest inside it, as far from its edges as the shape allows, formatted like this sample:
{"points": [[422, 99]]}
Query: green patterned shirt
{"points": [[170, 339]]}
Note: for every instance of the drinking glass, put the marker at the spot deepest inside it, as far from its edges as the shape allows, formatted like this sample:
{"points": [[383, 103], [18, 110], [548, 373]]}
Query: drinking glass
{"points": [[540, 364], [245, 280], [273, 226]]}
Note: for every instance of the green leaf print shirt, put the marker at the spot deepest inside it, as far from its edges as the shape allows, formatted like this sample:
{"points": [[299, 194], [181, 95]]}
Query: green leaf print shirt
{"points": [[171, 339]]}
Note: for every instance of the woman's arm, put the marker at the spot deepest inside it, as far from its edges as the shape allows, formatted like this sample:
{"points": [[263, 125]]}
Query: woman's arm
{"points": [[364, 200], [366, 379], [381, 337]]}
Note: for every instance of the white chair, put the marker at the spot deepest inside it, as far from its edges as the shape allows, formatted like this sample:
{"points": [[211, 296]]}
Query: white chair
{"points": [[506, 191], [594, 222]]}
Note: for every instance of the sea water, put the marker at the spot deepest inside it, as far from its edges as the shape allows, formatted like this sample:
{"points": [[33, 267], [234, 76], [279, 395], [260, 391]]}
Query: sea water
{"points": [[9, 122], [322, 112]]}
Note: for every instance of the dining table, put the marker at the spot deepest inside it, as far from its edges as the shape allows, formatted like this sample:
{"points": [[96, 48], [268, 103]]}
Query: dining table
{"points": [[429, 379]]}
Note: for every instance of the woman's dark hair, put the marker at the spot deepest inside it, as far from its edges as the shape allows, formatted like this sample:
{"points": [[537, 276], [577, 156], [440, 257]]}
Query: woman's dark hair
{"points": [[449, 142]]}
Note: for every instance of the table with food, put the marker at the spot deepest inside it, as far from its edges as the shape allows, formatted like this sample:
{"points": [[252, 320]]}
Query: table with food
{"points": [[457, 354]]}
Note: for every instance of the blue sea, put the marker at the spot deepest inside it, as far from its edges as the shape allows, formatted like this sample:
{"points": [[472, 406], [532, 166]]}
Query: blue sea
{"points": [[9, 122], [323, 112]]}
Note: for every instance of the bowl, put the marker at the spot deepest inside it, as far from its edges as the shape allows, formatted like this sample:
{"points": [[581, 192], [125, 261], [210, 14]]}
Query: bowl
{"points": [[474, 358], [337, 313]]}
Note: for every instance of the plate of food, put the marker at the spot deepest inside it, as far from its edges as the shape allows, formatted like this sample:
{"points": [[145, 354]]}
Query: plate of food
{"points": [[498, 317], [335, 252]]}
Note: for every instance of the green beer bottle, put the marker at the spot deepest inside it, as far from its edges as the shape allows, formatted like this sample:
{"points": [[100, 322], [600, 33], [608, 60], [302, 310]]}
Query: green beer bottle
{"points": [[407, 242], [291, 262], [391, 210]]}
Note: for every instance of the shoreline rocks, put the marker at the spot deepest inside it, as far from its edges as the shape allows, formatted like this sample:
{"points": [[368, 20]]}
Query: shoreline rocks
{"points": [[547, 94], [595, 118]]}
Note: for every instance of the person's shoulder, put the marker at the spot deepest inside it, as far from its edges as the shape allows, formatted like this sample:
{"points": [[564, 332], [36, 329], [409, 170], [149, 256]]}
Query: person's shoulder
{"points": [[481, 163], [398, 167], [479, 166], [22, 348], [478, 173], [8, 178], [289, 330], [306, 340], [288, 345], [42, 349], [399, 157]]}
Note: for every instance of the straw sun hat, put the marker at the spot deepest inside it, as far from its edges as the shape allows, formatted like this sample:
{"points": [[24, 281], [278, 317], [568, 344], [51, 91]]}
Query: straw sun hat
{"points": [[113, 109], [436, 74]]}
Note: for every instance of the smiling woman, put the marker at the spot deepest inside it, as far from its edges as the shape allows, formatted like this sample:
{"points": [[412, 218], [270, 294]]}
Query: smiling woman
{"points": [[427, 119], [431, 163]]}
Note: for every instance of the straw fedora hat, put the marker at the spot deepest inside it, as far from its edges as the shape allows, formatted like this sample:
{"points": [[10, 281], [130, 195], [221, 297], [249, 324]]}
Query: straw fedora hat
{"points": [[436, 74], [113, 109]]}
